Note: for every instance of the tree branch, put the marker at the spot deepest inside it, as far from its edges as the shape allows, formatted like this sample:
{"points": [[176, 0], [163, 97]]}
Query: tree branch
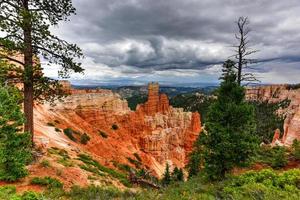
{"points": [[11, 59]]}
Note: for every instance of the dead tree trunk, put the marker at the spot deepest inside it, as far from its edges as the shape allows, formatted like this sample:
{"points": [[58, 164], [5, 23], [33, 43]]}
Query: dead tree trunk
{"points": [[243, 51]]}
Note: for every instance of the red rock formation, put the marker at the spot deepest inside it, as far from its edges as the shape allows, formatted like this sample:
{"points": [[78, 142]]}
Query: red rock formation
{"points": [[163, 105], [151, 106], [156, 102], [276, 136], [158, 132], [277, 93], [196, 122]]}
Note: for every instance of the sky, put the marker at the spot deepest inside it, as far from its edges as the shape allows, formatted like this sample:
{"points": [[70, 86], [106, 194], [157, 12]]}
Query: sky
{"points": [[180, 42]]}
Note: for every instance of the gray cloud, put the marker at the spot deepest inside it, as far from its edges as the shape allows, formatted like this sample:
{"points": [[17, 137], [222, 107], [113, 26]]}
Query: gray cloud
{"points": [[146, 39]]}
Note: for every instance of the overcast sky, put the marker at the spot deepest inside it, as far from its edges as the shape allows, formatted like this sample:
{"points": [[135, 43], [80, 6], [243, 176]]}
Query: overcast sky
{"points": [[180, 41]]}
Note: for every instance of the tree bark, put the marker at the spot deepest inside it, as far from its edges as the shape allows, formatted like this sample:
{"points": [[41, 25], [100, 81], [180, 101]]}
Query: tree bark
{"points": [[28, 73]]}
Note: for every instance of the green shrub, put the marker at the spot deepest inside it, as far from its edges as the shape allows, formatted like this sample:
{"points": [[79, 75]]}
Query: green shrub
{"points": [[266, 184], [57, 129], [29, 195], [45, 163], [103, 134], [69, 133], [275, 157], [50, 124], [7, 192], [136, 163], [122, 167], [84, 138], [296, 149], [136, 155], [114, 127], [279, 158], [15, 148], [56, 121], [47, 181]]}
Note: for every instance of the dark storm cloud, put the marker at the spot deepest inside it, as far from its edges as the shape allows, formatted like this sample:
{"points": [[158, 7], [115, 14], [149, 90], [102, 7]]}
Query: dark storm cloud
{"points": [[126, 37]]}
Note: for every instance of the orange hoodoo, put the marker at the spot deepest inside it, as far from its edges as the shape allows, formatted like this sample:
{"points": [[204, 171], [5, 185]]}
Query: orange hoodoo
{"points": [[156, 102]]}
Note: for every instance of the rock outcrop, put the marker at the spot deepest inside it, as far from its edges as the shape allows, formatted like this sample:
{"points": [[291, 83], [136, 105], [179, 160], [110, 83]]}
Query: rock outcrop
{"points": [[277, 93], [156, 102], [156, 131]]}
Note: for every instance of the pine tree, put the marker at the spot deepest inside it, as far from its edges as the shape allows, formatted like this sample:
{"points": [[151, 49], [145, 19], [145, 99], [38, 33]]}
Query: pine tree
{"points": [[26, 25], [14, 144], [166, 180], [177, 174], [196, 157], [230, 139]]}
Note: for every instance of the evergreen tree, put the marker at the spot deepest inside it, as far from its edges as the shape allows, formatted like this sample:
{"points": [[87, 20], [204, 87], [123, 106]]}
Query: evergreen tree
{"points": [[166, 180], [177, 174], [14, 145], [26, 25], [230, 138], [196, 157]]}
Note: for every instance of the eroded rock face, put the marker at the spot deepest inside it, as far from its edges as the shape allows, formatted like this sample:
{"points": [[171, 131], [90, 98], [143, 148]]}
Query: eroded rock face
{"points": [[156, 103], [277, 93], [157, 132]]}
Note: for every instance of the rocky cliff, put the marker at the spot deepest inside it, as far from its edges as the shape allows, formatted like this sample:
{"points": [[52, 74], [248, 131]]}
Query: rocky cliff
{"points": [[156, 132], [277, 93]]}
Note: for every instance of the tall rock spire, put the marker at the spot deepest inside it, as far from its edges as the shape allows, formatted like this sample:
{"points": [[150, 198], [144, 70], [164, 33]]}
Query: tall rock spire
{"points": [[156, 102]]}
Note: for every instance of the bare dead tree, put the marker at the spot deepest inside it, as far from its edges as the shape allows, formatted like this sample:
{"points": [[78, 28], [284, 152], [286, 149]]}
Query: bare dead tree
{"points": [[243, 51]]}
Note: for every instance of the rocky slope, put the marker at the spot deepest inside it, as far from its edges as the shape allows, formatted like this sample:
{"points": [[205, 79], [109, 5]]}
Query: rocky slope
{"points": [[277, 93], [151, 136]]}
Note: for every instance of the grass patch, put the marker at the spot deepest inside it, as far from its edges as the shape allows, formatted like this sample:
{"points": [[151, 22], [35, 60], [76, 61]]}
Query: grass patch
{"points": [[91, 162], [10, 193], [61, 152], [45, 163], [103, 134], [92, 169], [47, 181], [64, 159], [96, 192], [66, 162]]}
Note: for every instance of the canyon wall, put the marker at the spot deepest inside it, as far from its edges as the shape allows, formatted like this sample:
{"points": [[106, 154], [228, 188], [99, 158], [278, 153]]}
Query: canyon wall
{"points": [[156, 131], [277, 93]]}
